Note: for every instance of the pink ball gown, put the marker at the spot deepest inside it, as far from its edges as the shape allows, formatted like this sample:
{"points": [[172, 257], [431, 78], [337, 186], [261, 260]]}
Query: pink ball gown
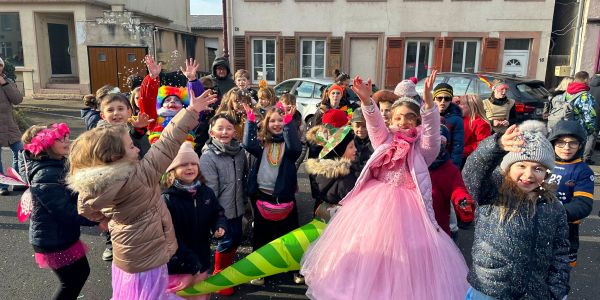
{"points": [[382, 244]]}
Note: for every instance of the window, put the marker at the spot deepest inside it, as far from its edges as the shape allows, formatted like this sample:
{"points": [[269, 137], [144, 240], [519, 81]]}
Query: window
{"points": [[484, 90], [461, 85], [11, 45], [285, 86], [263, 60], [305, 90], [313, 58], [516, 44], [417, 59], [465, 56]]}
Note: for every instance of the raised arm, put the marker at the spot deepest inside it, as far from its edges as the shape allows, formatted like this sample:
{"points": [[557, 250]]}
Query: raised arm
{"points": [[378, 132], [293, 146], [429, 144], [250, 140]]}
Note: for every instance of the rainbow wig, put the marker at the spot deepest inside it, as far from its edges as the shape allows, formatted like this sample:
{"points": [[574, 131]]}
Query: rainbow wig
{"points": [[166, 91]]}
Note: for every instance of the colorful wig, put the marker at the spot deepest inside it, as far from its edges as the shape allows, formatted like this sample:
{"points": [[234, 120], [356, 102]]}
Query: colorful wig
{"points": [[166, 91]]}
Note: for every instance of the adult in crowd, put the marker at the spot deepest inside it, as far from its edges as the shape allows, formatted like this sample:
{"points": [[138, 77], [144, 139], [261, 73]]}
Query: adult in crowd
{"points": [[443, 94], [476, 126], [221, 76], [557, 110], [583, 105], [10, 135], [499, 110]]}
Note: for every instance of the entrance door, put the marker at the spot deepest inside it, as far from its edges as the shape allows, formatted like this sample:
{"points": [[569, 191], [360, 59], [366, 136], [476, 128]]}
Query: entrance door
{"points": [[130, 61], [363, 58], [515, 62], [111, 65], [60, 56]]}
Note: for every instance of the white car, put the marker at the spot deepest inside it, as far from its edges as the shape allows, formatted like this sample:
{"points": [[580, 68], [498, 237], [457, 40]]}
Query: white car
{"points": [[307, 92]]}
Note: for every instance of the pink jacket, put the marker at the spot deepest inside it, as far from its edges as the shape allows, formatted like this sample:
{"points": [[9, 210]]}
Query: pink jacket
{"points": [[423, 152]]}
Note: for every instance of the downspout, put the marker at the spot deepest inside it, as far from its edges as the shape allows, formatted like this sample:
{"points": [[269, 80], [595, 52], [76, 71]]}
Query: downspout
{"points": [[225, 35], [577, 37], [154, 42]]}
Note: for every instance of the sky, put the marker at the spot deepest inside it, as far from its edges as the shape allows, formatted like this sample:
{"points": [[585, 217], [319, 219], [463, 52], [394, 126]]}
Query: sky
{"points": [[206, 7]]}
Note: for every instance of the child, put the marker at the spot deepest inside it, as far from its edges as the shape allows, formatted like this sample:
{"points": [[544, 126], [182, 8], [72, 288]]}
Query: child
{"points": [[196, 213], [242, 81], [223, 164], [90, 113], [521, 241], [384, 100], [272, 181], [574, 178], [476, 126], [407, 88], [384, 242], [232, 105], [362, 143], [115, 186], [287, 102], [266, 97], [54, 228], [133, 99]]}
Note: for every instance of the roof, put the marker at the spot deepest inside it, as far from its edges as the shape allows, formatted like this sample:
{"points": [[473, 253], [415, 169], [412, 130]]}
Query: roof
{"points": [[207, 22]]}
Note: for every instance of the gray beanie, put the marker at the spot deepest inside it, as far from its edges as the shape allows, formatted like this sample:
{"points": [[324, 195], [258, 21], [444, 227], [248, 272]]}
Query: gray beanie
{"points": [[537, 148]]}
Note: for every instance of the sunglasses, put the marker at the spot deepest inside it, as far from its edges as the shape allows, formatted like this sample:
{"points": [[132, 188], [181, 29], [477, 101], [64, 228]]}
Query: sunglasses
{"points": [[443, 98]]}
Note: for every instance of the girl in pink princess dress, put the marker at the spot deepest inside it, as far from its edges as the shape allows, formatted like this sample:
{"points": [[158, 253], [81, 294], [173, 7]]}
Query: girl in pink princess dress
{"points": [[384, 243]]}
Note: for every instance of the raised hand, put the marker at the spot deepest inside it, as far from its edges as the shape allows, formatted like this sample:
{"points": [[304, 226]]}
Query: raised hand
{"points": [[141, 121], [427, 88], [191, 67], [249, 112], [202, 102], [153, 68], [511, 140], [363, 90], [289, 116]]}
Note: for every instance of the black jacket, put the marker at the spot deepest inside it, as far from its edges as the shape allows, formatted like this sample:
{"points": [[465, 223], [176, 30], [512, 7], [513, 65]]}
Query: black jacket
{"points": [[364, 150], [287, 179], [54, 222], [523, 257], [195, 217], [222, 85], [334, 178]]}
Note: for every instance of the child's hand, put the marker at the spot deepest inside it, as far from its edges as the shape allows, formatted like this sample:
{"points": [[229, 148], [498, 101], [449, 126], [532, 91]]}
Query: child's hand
{"points": [[202, 102], [103, 226], [219, 233], [250, 116], [511, 141], [141, 121], [191, 66], [363, 90], [427, 88], [153, 68], [178, 282], [289, 116]]}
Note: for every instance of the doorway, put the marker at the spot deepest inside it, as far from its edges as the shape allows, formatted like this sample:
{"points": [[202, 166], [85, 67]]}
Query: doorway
{"points": [[112, 65], [60, 49], [516, 56]]}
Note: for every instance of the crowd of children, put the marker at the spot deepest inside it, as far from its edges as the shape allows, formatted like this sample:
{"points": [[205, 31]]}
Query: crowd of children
{"points": [[167, 169]]}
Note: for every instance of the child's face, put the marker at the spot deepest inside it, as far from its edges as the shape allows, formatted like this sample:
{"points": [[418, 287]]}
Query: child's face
{"points": [[566, 147], [187, 173], [350, 152], [386, 111], [527, 174], [60, 147], [241, 82], [115, 113], [288, 107], [275, 125], [335, 97], [237, 106], [131, 151], [360, 130], [172, 103], [222, 131], [404, 118], [264, 102]]}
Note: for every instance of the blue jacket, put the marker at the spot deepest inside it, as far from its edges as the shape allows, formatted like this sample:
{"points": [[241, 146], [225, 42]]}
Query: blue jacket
{"points": [[54, 221], [90, 117], [287, 179], [456, 142]]}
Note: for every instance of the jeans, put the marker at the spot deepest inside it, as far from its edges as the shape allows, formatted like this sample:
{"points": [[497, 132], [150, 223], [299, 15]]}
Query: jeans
{"points": [[15, 148], [473, 294]]}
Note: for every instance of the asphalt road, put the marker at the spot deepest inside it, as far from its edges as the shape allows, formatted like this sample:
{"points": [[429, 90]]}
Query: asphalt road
{"points": [[22, 279]]}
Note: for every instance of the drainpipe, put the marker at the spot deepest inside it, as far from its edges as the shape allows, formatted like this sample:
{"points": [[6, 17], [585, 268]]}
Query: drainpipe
{"points": [[577, 37], [225, 37]]}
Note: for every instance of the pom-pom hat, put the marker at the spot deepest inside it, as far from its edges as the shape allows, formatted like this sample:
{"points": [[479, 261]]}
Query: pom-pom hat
{"points": [[536, 148], [405, 88], [186, 154]]}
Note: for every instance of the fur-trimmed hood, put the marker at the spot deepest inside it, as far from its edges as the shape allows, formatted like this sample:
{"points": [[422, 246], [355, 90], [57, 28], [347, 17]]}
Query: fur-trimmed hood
{"points": [[329, 168], [94, 180], [311, 135]]}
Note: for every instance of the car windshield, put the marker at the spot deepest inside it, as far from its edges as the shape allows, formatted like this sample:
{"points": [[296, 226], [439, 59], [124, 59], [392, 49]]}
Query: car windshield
{"points": [[461, 85], [438, 79], [533, 90], [305, 89], [284, 86]]}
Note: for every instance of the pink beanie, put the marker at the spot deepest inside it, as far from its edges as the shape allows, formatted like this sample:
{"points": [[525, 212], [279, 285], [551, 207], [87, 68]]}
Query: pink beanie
{"points": [[185, 155], [405, 88]]}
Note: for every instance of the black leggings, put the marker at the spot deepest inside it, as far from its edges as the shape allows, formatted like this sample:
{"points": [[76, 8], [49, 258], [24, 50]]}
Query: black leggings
{"points": [[72, 278]]}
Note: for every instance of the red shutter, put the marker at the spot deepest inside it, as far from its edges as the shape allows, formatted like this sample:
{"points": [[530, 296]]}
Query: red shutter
{"points": [[490, 55], [394, 60], [334, 55], [447, 56], [239, 53], [443, 54]]}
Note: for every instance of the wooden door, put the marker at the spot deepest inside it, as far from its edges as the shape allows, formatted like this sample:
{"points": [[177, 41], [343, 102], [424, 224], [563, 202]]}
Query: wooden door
{"points": [[103, 67], [130, 61]]}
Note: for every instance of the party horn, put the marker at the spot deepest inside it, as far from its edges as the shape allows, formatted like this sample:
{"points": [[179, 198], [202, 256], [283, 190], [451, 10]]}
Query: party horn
{"points": [[279, 256]]}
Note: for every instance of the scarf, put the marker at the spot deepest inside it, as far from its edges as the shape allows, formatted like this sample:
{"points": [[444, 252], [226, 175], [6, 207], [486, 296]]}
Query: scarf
{"points": [[191, 188], [231, 149], [498, 101], [398, 152], [576, 87]]}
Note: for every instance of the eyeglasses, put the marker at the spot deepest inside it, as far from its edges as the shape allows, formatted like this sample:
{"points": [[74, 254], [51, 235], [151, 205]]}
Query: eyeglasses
{"points": [[64, 139], [443, 98], [571, 144]]}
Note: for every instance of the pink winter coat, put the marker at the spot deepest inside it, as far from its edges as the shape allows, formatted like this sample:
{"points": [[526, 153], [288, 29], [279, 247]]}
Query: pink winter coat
{"points": [[423, 152]]}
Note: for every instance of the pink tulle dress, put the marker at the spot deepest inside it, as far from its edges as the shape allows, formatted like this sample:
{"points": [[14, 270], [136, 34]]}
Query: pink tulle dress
{"points": [[382, 244]]}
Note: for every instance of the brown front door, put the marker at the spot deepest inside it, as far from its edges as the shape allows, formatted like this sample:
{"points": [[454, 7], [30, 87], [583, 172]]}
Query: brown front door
{"points": [[112, 65]]}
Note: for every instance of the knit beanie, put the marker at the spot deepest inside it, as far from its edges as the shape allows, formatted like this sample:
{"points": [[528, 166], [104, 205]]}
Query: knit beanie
{"points": [[537, 148], [357, 116], [1, 61], [185, 155], [406, 99], [335, 117], [443, 88], [405, 88], [335, 87]]}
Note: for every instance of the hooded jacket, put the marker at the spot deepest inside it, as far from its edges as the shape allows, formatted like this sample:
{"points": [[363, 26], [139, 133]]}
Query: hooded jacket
{"points": [[127, 194], [456, 142], [90, 117], [222, 85], [9, 129], [521, 258], [334, 178], [583, 104]]}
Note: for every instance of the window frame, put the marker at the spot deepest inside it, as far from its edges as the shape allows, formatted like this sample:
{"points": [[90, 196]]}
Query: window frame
{"points": [[477, 54], [313, 48], [264, 55], [429, 60], [12, 48]]}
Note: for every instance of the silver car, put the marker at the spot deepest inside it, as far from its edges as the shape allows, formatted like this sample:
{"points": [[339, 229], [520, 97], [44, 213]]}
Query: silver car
{"points": [[307, 92]]}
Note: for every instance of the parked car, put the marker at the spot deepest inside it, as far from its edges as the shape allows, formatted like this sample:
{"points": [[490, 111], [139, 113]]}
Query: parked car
{"points": [[530, 94], [307, 92]]}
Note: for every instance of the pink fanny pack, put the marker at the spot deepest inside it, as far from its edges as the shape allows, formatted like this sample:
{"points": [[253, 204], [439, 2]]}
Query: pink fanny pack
{"points": [[274, 212]]}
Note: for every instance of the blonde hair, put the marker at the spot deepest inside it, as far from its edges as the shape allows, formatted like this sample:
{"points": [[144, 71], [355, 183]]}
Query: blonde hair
{"points": [[475, 107], [168, 179], [264, 135], [511, 198], [103, 92], [266, 92], [97, 147], [132, 97], [241, 73], [31, 132], [288, 99], [227, 103], [564, 83]]}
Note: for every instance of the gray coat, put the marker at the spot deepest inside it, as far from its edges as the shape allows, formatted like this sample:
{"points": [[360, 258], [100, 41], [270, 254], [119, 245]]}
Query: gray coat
{"points": [[9, 130], [225, 175], [524, 257]]}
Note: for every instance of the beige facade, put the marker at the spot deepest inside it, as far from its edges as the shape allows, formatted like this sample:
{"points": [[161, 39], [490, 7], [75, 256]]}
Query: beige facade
{"points": [[589, 47], [159, 27], [510, 30]]}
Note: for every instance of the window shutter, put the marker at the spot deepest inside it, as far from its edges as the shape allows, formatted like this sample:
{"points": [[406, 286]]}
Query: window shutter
{"points": [[489, 57], [239, 53], [334, 55], [394, 59], [447, 56], [289, 64], [443, 54]]}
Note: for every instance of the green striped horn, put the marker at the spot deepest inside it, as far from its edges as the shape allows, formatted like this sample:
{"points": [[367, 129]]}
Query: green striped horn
{"points": [[278, 256]]}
